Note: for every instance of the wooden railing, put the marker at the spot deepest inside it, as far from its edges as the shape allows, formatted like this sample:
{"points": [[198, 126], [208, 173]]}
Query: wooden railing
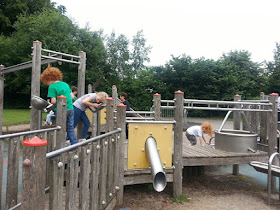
{"points": [[86, 175]]}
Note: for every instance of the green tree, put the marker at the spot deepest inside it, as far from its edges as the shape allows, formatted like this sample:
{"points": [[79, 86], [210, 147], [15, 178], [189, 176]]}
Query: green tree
{"points": [[139, 53], [10, 10]]}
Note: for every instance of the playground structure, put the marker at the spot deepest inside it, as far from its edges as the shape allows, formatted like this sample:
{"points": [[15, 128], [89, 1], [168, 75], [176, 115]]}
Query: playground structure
{"points": [[107, 161]]}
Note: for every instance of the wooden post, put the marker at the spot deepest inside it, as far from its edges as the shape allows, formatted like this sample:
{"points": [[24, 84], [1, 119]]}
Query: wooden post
{"points": [[110, 114], [89, 88], [156, 106], [81, 74], [1, 100], [115, 95], [35, 84], [272, 134], [236, 126], [178, 143], [236, 114], [81, 84], [263, 124], [1, 125], [12, 172], [121, 120], [61, 121], [111, 154], [34, 173]]}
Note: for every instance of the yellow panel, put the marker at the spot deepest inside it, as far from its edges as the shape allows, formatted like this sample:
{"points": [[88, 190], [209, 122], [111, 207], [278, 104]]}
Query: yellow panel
{"points": [[89, 115], [137, 136], [102, 116]]}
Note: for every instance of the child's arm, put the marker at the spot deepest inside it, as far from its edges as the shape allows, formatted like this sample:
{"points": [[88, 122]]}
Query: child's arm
{"points": [[53, 100], [87, 102], [203, 140]]}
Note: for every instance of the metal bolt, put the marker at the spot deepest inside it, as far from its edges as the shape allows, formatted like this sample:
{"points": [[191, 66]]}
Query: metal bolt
{"points": [[151, 133], [88, 151], [76, 157], [103, 202], [134, 164], [26, 163], [117, 188], [64, 104], [97, 147], [113, 140], [105, 143], [110, 194], [143, 150], [158, 149], [60, 164], [165, 127], [164, 163], [136, 127]]}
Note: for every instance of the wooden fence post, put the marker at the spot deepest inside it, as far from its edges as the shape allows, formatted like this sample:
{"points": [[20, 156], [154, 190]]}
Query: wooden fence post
{"points": [[178, 143], [263, 125], [34, 174], [35, 84], [1, 124], [115, 95], [61, 121], [272, 134], [236, 126], [1, 100], [156, 106], [236, 114], [121, 121]]}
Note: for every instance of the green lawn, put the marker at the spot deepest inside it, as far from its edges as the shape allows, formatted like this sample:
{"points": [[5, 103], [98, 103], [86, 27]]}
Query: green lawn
{"points": [[17, 116]]}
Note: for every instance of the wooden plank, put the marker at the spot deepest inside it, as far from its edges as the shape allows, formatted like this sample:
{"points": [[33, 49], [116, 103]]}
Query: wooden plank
{"points": [[222, 160], [1, 166], [84, 178], [72, 181], [95, 166], [142, 179], [110, 168], [103, 172], [56, 184], [12, 172]]}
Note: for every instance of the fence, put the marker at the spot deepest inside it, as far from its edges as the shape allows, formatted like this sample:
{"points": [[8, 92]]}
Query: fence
{"points": [[43, 174]]}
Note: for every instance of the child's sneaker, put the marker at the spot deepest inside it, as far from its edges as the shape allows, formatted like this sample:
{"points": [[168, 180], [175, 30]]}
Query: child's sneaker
{"points": [[67, 143], [80, 140]]}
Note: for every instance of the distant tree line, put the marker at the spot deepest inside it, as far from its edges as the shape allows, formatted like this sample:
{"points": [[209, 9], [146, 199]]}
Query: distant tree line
{"points": [[122, 61]]}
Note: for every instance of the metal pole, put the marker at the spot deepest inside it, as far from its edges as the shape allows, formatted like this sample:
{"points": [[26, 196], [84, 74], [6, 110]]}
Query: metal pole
{"points": [[1, 98]]}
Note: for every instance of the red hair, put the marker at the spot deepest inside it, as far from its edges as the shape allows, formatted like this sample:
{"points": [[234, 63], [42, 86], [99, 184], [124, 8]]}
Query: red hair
{"points": [[51, 74], [207, 128]]}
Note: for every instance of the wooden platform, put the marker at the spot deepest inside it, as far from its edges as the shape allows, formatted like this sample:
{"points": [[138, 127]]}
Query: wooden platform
{"points": [[205, 155]]}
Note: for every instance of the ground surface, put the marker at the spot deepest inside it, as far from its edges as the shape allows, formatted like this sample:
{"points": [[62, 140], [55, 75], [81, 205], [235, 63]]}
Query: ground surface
{"points": [[209, 192]]}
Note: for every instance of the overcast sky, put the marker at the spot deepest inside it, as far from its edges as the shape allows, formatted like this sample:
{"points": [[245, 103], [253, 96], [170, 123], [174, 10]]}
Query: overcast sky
{"points": [[198, 28]]}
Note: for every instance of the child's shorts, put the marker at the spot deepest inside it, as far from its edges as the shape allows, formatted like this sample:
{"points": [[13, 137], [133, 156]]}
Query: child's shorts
{"points": [[191, 138]]}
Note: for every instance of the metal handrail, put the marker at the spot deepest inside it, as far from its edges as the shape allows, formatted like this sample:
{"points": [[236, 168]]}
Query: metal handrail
{"points": [[60, 53], [269, 175], [29, 132], [75, 146]]}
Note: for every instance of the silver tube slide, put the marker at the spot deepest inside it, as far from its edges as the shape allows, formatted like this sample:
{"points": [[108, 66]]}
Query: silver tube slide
{"points": [[159, 179]]}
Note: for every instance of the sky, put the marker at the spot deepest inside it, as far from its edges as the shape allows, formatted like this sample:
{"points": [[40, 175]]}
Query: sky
{"points": [[196, 28]]}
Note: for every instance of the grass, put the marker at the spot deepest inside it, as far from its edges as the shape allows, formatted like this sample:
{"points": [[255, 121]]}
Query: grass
{"points": [[17, 116], [180, 199]]}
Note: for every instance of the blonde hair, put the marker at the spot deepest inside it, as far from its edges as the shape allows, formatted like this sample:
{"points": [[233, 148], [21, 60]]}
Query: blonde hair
{"points": [[103, 97], [207, 128]]}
